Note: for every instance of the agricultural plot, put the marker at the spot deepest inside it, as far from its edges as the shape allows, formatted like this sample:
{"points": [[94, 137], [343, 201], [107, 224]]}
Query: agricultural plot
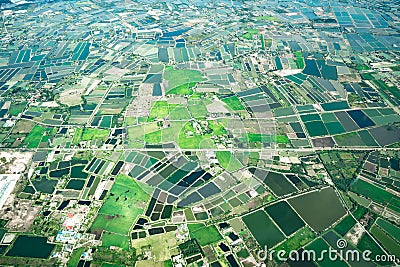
{"points": [[296, 241], [285, 217], [318, 245], [233, 103], [319, 209], [181, 81], [35, 136], [277, 182], [386, 240], [205, 235], [228, 161], [373, 192], [263, 229], [131, 200]]}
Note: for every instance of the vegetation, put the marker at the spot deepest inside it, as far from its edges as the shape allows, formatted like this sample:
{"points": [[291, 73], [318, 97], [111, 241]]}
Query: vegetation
{"points": [[299, 60], [228, 161], [75, 257], [345, 225], [205, 235], [233, 102], [93, 133], [299, 239], [249, 33], [35, 136], [371, 191], [126, 201], [181, 81]]}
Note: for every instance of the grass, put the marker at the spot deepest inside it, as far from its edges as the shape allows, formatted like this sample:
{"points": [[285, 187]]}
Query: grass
{"points": [[75, 257], [177, 78], [389, 228], [299, 60], [205, 235], [193, 140], [189, 215], [366, 243], [360, 212], [34, 137], [126, 201], [153, 137], [387, 241], [168, 263], [262, 42], [112, 239], [299, 239], [159, 109], [15, 109], [233, 103], [345, 225], [371, 191], [180, 113], [228, 161], [249, 33], [183, 89], [93, 133], [217, 128], [163, 246], [392, 89], [197, 109], [362, 67], [266, 138]]}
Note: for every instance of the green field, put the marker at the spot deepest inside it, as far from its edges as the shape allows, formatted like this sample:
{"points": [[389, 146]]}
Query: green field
{"points": [[299, 60], [183, 89], [180, 113], [92, 133], [233, 103], [387, 241], [367, 243], [34, 137], [263, 229], [153, 137], [112, 239], [187, 78], [299, 239], [265, 138], [266, 18], [188, 138], [228, 161], [249, 33], [159, 110], [197, 109], [126, 200], [345, 225], [371, 191], [392, 89], [16, 108], [75, 257], [204, 235], [217, 128], [318, 246], [389, 228]]}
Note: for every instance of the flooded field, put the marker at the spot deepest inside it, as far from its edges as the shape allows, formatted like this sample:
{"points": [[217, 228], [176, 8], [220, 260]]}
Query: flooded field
{"points": [[31, 246], [263, 229], [319, 209]]}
